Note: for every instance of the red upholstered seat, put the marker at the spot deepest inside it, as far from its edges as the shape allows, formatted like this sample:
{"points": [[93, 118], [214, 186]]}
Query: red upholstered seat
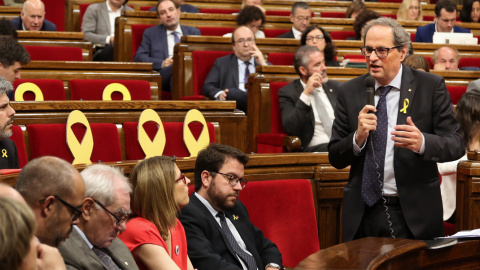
{"points": [[342, 34], [137, 35], [428, 18], [54, 53], [93, 89], [469, 62], [145, 8], [456, 92], [173, 134], [219, 10], [272, 33], [83, 8], [354, 56], [55, 12], [332, 14], [281, 58], [52, 89], [18, 139], [215, 31], [393, 16], [202, 63], [429, 60], [412, 36], [284, 210], [273, 142], [51, 139], [281, 13]]}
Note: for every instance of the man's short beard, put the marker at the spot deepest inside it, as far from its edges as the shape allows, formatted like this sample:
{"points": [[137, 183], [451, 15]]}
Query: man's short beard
{"points": [[217, 200], [4, 132]]}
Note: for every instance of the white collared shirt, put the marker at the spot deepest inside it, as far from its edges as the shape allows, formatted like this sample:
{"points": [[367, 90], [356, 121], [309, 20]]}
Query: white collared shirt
{"points": [[84, 237], [297, 34], [111, 16], [444, 32], [171, 39], [319, 135], [241, 72]]}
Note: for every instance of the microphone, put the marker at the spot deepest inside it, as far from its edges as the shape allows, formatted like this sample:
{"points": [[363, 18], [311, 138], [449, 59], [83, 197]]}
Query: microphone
{"points": [[370, 89]]}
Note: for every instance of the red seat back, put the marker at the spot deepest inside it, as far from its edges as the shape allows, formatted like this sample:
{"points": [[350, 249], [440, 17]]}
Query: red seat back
{"points": [[52, 89], [54, 53], [93, 89], [83, 8], [469, 62], [342, 34], [275, 113], [51, 140], [428, 18], [219, 10], [202, 63], [55, 12], [456, 92], [285, 59], [173, 134], [332, 14], [281, 13], [18, 139], [286, 216], [215, 31], [393, 16], [272, 33], [137, 35], [145, 8]]}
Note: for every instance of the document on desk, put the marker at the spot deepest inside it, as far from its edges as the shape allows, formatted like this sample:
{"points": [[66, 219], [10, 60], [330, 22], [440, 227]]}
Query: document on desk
{"points": [[441, 243], [473, 234]]}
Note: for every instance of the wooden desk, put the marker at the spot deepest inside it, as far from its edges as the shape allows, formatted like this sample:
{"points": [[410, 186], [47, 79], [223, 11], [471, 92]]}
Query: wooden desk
{"points": [[86, 46], [468, 193], [50, 36], [385, 253], [9, 12]]}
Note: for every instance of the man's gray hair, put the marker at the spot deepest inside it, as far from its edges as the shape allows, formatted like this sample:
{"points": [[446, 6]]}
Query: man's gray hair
{"points": [[400, 36], [100, 184], [5, 86], [301, 4], [435, 54], [302, 57]]}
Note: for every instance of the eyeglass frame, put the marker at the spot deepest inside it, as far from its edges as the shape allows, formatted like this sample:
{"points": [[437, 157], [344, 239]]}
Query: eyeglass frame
{"points": [[76, 212], [317, 37], [183, 178], [375, 50], [242, 41], [119, 220], [230, 177]]}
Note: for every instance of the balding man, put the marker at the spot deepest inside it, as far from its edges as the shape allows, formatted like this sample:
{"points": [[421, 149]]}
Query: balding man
{"points": [[32, 18], [54, 190]]}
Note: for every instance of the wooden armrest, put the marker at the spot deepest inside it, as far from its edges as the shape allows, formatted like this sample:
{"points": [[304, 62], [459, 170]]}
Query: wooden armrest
{"points": [[292, 143]]}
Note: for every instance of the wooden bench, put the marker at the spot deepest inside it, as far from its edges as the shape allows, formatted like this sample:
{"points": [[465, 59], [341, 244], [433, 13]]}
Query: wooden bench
{"points": [[86, 46], [66, 71], [9, 12], [468, 193]]}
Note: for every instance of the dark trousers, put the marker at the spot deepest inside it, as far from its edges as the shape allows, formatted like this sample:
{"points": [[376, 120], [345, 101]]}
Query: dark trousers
{"points": [[375, 221], [104, 54]]}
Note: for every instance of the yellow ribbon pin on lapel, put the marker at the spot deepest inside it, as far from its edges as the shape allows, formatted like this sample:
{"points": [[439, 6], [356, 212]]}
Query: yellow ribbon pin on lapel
{"points": [[4, 153], [405, 106]]}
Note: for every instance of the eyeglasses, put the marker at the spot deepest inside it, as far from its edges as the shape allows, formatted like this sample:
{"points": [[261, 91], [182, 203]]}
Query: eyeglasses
{"points": [[242, 41], [120, 220], [301, 18], [182, 178], [380, 51], [233, 179], [75, 211], [318, 37]]}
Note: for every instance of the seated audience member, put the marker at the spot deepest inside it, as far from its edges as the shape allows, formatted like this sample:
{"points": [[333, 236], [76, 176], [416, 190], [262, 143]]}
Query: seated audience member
{"points": [[445, 16], [474, 85], [98, 25], [9, 158], [229, 74], [251, 17], [12, 57], [468, 115], [300, 17], [18, 236], [316, 36], [93, 243], [355, 8], [54, 190], [158, 41], [254, 3], [447, 58], [7, 29], [154, 235], [361, 21], [307, 104], [219, 232], [470, 11], [13, 3], [417, 62], [410, 10], [32, 18], [184, 8]]}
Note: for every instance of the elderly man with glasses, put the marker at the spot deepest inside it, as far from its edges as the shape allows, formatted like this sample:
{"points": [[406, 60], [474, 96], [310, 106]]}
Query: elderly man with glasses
{"points": [[229, 74], [93, 243], [219, 232]]}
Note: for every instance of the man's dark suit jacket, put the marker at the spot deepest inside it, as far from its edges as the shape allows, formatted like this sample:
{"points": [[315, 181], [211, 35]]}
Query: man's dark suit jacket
{"points": [[209, 249], [425, 33], [288, 34], [183, 8], [224, 75], [46, 26], [297, 117], [416, 175]]}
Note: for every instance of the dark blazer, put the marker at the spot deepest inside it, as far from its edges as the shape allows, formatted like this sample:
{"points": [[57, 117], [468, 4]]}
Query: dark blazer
{"points": [[208, 248], [416, 175], [9, 160], [78, 255], [183, 8], [288, 34], [224, 75], [46, 26], [425, 33], [297, 117]]}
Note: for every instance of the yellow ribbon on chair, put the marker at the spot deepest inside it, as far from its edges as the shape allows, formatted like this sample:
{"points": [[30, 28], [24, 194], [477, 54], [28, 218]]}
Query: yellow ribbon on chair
{"points": [[193, 145], [116, 87], [149, 147], [406, 102], [82, 152], [28, 87]]}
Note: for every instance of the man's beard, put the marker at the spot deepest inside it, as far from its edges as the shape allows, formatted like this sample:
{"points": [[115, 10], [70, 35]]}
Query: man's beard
{"points": [[219, 201], [4, 133], [56, 236]]}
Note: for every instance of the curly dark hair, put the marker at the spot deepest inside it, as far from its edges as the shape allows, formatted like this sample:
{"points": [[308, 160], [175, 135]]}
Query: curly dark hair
{"points": [[330, 50], [249, 14], [362, 18], [466, 13]]}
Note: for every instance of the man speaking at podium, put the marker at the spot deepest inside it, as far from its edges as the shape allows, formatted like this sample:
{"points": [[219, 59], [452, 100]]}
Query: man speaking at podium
{"points": [[393, 188]]}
